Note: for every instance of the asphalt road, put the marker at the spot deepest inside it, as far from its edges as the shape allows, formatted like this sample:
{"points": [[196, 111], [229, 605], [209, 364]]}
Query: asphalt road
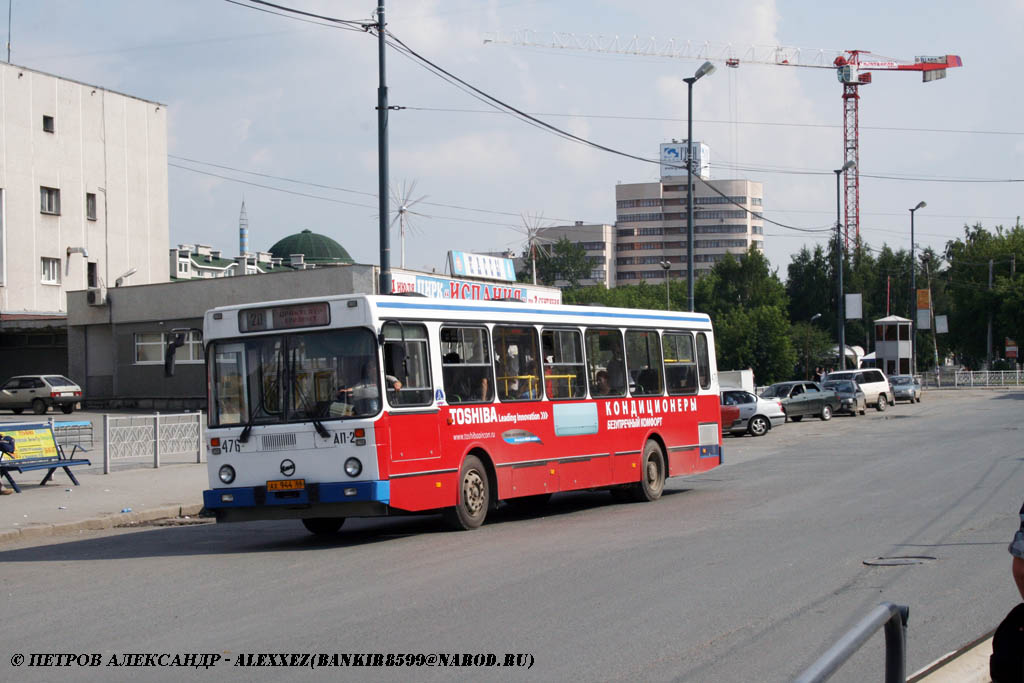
{"points": [[745, 573]]}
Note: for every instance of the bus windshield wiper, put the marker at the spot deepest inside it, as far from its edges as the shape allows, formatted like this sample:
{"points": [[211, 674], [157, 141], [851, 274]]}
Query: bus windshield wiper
{"points": [[317, 424]]}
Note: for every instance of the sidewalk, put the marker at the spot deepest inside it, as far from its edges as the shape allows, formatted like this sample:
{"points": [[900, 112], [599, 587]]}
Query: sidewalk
{"points": [[103, 501]]}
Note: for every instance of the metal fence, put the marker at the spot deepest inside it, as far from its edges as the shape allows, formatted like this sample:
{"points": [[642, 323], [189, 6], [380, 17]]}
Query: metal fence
{"points": [[77, 433], [973, 378], [156, 437]]}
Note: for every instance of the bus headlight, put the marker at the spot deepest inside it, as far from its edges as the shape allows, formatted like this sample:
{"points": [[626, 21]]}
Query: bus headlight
{"points": [[226, 474], [353, 467]]}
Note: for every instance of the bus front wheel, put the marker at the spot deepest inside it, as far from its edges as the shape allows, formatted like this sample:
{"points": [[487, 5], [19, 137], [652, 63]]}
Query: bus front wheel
{"points": [[323, 526], [474, 496], [652, 476]]}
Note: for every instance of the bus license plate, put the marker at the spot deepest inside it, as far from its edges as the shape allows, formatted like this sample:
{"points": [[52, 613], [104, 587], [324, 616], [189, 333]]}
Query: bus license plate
{"points": [[286, 485]]}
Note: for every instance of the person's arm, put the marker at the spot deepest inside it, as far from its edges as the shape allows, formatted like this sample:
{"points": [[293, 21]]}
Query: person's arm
{"points": [[1018, 574]]}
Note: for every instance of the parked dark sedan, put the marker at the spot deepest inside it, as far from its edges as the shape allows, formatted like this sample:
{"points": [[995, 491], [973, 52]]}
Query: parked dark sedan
{"points": [[804, 398], [851, 397]]}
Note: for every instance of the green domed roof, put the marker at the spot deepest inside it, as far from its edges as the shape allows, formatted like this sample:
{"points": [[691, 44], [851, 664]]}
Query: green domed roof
{"points": [[316, 248]]}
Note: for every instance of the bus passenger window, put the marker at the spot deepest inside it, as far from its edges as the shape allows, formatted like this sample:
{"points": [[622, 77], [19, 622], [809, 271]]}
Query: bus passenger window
{"points": [[643, 356], [516, 352], [466, 365], [606, 370], [703, 361], [680, 363], [564, 373], [406, 365]]}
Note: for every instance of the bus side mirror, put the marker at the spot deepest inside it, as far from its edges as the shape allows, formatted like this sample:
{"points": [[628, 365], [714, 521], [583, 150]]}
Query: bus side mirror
{"points": [[172, 348]]}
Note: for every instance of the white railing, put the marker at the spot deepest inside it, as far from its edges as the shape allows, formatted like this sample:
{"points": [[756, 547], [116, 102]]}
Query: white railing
{"points": [[151, 436], [973, 378]]}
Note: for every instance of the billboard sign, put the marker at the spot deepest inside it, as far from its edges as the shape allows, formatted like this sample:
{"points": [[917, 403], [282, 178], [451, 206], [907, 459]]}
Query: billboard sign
{"points": [[854, 307], [941, 324], [924, 319], [924, 299], [673, 159], [439, 287], [1011, 348], [481, 266]]}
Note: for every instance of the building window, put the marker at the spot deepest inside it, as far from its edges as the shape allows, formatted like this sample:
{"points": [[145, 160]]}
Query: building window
{"points": [[49, 200], [150, 346], [90, 206], [92, 277], [50, 271], [48, 125]]}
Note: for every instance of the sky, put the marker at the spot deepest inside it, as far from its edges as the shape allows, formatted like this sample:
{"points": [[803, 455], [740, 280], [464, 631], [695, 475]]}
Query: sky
{"points": [[281, 113]]}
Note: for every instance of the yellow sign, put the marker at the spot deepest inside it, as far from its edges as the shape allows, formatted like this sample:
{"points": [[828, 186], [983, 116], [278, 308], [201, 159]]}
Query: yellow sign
{"points": [[924, 299], [30, 443]]}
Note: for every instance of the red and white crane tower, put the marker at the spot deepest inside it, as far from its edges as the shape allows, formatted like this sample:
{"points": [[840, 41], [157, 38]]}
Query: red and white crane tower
{"points": [[852, 67]]}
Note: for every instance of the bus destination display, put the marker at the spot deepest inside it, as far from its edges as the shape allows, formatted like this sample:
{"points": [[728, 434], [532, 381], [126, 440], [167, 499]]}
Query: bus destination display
{"points": [[284, 317]]}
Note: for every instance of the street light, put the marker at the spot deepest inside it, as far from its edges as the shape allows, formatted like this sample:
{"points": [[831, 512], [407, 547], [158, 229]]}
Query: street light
{"points": [[807, 347], [840, 304], [705, 69], [913, 293], [665, 265]]}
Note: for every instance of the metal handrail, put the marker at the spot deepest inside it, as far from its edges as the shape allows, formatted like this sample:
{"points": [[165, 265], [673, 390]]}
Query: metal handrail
{"points": [[894, 618]]}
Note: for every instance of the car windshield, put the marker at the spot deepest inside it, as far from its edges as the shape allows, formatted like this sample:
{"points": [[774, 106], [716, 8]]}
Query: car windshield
{"points": [[902, 379], [843, 385], [771, 392]]}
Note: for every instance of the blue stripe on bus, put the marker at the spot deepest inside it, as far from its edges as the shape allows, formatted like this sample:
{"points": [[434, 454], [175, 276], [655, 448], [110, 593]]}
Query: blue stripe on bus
{"points": [[540, 311], [245, 496]]}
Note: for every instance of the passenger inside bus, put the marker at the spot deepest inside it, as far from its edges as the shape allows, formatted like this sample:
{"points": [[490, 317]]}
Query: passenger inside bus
{"points": [[601, 386], [617, 371]]}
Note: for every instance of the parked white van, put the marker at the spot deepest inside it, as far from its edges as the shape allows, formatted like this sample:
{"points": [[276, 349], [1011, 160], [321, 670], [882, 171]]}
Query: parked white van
{"points": [[873, 382]]}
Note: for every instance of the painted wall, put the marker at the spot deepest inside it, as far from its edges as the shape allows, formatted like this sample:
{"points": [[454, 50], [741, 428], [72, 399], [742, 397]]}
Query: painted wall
{"points": [[104, 143]]}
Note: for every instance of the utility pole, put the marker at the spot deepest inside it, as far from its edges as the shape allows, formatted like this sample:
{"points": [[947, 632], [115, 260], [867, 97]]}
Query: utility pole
{"points": [[382, 157], [931, 313], [988, 337]]}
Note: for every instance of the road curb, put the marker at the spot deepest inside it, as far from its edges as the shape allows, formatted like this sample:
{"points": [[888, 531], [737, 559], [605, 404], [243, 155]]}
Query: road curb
{"points": [[98, 523]]}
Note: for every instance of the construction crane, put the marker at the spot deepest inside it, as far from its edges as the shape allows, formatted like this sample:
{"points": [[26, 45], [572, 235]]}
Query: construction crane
{"points": [[852, 67]]}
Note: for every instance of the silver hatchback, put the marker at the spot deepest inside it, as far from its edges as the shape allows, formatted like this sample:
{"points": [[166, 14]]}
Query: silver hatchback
{"points": [[40, 393], [757, 415]]}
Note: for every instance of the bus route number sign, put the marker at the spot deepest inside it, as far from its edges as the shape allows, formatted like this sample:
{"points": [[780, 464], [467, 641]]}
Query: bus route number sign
{"points": [[284, 317]]}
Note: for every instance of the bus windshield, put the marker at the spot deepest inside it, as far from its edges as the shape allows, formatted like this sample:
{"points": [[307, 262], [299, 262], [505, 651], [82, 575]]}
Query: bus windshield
{"points": [[294, 378]]}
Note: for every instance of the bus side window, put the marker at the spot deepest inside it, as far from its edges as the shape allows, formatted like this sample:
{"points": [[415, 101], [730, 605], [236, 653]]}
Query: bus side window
{"points": [[564, 373], [643, 355], [606, 370], [406, 360], [516, 355], [466, 365], [703, 361], [680, 363]]}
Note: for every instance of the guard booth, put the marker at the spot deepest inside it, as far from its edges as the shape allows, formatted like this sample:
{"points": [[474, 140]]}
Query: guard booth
{"points": [[892, 345]]}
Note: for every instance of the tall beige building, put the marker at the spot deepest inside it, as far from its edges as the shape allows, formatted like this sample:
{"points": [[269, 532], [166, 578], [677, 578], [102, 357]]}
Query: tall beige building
{"points": [[651, 226], [83, 202]]}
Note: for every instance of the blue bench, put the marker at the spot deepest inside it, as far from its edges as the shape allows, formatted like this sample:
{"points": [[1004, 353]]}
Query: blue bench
{"points": [[36, 449]]}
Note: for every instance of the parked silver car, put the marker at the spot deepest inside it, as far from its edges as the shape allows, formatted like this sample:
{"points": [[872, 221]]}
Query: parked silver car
{"points": [[905, 388], [39, 392], [757, 415]]}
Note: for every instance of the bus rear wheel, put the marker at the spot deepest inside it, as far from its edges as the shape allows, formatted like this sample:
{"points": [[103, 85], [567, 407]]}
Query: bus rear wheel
{"points": [[323, 526], [652, 475], [474, 496]]}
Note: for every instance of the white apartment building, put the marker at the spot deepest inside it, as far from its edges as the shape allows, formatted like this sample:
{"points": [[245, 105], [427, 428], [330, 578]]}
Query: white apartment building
{"points": [[651, 226], [83, 202]]}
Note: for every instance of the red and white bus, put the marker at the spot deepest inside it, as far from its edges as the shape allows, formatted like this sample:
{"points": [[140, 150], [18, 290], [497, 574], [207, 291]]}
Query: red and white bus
{"points": [[355, 406]]}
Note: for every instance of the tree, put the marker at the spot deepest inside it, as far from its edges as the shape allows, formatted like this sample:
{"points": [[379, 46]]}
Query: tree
{"points": [[748, 307], [565, 260], [813, 346]]}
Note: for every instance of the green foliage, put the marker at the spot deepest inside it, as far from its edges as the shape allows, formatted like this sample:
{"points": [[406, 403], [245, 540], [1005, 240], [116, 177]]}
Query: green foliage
{"points": [[813, 346], [566, 261], [972, 301]]}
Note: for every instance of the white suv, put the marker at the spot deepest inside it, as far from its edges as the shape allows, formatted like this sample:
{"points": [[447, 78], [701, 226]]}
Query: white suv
{"points": [[873, 382]]}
